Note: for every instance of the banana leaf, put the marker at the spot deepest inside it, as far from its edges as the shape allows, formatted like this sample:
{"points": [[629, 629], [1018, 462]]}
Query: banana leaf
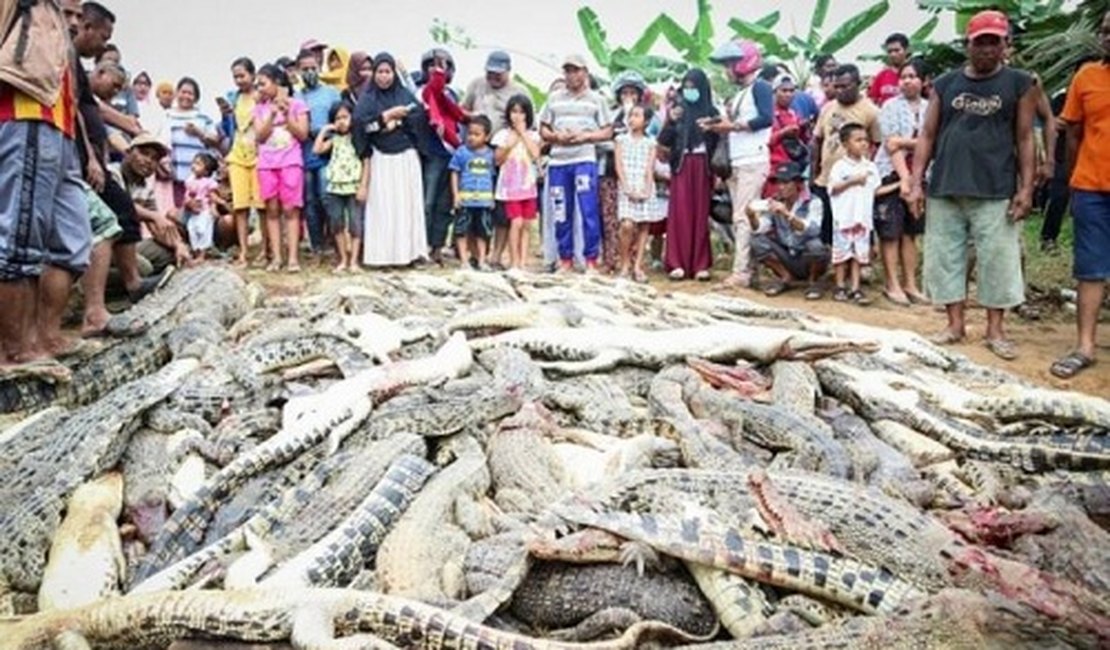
{"points": [[770, 20], [701, 44], [671, 31], [854, 26], [773, 45], [925, 31], [595, 36], [816, 22], [653, 68], [538, 96]]}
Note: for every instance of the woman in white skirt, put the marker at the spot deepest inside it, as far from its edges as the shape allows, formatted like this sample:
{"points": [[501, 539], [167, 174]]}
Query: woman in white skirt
{"points": [[386, 121]]}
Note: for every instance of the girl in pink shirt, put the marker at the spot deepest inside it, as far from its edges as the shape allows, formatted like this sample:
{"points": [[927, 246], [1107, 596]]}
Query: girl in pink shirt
{"points": [[281, 123]]}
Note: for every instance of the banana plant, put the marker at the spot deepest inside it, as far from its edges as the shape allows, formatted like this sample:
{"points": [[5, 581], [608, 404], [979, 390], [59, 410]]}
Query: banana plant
{"points": [[802, 50], [1050, 37], [694, 45]]}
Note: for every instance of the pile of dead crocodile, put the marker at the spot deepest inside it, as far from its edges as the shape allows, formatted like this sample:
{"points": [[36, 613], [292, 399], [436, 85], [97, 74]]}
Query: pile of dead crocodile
{"points": [[476, 461]]}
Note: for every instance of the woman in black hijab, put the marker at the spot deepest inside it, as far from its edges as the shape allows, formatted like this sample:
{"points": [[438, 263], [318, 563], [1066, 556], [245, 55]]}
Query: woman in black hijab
{"points": [[386, 122], [689, 148]]}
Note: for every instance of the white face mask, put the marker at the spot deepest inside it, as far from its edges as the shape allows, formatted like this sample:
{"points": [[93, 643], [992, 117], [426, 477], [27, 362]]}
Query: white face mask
{"points": [[628, 104]]}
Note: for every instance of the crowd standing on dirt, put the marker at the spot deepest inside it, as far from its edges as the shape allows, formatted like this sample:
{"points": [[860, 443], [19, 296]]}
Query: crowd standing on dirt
{"points": [[110, 181]]}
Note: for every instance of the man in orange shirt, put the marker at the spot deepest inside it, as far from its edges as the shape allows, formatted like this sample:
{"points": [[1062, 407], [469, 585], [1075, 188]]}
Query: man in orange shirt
{"points": [[1087, 114], [45, 233]]}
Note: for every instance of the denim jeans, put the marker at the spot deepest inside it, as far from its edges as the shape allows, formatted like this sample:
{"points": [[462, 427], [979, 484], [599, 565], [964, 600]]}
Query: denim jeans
{"points": [[315, 216], [437, 199]]}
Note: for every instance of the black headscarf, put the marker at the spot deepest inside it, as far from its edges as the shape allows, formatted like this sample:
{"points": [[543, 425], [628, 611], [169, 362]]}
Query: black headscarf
{"points": [[369, 130], [685, 136]]}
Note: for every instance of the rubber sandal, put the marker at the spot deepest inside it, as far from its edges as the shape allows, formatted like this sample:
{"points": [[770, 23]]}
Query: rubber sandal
{"points": [[814, 292], [946, 337], [677, 274], [703, 276], [149, 285], [1004, 349], [860, 298], [639, 276], [1070, 365], [901, 302], [774, 288], [841, 295], [273, 267]]}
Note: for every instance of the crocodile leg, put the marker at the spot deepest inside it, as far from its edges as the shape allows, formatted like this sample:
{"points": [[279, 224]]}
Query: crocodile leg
{"points": [[702, 538]]}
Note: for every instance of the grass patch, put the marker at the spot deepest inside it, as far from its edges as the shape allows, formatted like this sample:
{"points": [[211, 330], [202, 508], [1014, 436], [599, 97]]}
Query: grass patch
{"points": [[1047, 271]]}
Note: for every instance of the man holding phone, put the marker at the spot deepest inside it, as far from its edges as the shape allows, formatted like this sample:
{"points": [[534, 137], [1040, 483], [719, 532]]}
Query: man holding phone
{"points": [[787, 230]]}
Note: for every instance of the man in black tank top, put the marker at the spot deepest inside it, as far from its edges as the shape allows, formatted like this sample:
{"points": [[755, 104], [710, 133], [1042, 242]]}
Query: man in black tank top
{"points": [[978, 135]]}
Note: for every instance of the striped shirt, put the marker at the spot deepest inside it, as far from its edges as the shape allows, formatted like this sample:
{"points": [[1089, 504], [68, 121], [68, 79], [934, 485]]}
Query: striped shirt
{"points": [[184, 147], [16, 105], [580, 113]]}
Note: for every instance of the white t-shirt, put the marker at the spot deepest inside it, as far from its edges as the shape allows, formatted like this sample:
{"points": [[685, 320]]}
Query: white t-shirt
{"points": [[853, 206]]}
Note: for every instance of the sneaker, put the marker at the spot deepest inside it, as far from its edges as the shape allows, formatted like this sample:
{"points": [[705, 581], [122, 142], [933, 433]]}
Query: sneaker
{"points": [[566, 266], [677, 274], [591, 267], [1049, 246], [485, 268]]}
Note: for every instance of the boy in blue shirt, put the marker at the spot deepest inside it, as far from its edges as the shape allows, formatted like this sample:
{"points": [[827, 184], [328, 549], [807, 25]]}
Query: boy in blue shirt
{"points": [[472, 182]]}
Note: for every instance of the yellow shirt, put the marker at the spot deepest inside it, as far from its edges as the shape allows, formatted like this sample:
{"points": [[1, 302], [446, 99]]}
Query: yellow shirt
{"points": [[244, 148]]}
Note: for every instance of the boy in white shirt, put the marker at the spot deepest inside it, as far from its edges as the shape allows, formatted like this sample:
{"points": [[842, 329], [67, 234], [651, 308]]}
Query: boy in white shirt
{"points": [[852, 184]]}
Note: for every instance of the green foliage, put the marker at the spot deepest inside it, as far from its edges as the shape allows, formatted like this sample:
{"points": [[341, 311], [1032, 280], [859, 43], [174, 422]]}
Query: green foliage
{"points": [[800, 50], [1048, 39], [537, 94]]}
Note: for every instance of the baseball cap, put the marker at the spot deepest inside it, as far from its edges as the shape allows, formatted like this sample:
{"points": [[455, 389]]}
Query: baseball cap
{"points": [[575, 61], [788, 171], [498, 61], [313, 44], [783, 80], [147, 140], [984, 23]]}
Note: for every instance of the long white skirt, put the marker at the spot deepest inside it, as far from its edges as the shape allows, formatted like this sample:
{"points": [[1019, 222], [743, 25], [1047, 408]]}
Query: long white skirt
{"points": [[394, 233]]}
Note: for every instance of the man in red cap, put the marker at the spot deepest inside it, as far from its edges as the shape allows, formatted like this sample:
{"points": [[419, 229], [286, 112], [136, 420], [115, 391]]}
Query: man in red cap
{"points": [[978, 133]]}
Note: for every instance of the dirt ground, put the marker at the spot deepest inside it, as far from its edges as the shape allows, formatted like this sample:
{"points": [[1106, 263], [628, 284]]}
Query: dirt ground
{"points": [[1040, 342]]}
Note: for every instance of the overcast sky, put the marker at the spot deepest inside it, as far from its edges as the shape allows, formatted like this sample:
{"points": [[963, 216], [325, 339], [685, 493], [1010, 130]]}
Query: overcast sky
{"points": [[172, 38]]}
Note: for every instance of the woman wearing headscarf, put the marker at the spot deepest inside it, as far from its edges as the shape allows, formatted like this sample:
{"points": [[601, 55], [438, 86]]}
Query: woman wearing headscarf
{"points": [[360, 71], [387, 119], [338, 61], [688, 254]]}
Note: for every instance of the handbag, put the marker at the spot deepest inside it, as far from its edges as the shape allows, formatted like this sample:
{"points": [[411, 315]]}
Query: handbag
{"points": [[720, 162]]}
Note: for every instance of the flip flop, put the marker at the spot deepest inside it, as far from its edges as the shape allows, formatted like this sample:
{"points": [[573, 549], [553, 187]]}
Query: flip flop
{"points": [[901, 302], [1004, 349], [946, 337], [1070, 365], [917, 298], [775, 288]]}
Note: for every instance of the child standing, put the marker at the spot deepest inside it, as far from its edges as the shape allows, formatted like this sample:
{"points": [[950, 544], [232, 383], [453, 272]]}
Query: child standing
{"points": [[472, 189], [852, 185], [637, 208], [281, 123], [518, 152], [343, 174], [201, 191]]}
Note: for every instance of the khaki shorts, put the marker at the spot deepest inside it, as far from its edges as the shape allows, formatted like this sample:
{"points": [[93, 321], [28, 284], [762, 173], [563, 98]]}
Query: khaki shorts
{"points": [[245, 192], [950, 226]]}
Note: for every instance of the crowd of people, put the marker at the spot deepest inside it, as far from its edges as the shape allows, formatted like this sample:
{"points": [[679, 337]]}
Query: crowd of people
{"points": [[107, 178]]}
